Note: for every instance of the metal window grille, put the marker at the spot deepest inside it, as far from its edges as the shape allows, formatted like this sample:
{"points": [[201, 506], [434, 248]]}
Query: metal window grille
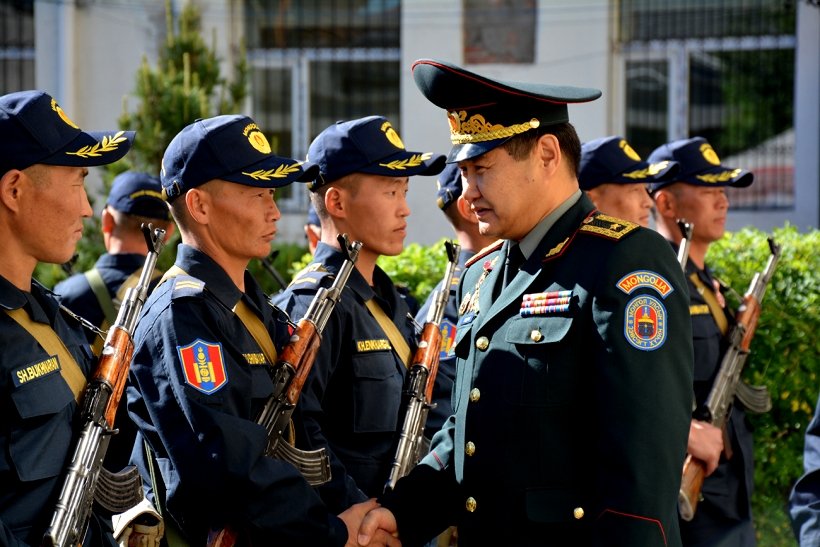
{"points": [[16, 45]]}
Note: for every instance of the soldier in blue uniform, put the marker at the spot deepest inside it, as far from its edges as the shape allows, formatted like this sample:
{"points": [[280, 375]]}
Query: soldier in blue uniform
{"points": [[698, 194], [352, 400], [205, 346], [570, 416], [465, 224], [44, 356], [614, 177], [804, 501]]}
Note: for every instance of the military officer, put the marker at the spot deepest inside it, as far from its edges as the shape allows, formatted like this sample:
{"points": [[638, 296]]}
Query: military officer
{"points": [[45, 359], [614, 177], [465, 225], [571, 401], [698, 194], [352, 400], [205, 346]]}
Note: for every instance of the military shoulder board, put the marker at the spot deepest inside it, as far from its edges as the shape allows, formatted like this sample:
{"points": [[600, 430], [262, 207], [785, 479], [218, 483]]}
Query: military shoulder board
{"points": [[606, 226], [484, 252]]}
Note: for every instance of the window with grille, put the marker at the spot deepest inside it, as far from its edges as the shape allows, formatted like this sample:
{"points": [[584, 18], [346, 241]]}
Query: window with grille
{"points": [[721, 70], [16, 45]]}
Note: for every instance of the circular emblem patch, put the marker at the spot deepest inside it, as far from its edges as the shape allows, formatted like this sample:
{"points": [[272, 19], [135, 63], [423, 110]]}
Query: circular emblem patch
{"points": [[392, 136], [258, 141], [645, 323], [709, 154], [630, 153], [56, 108]]}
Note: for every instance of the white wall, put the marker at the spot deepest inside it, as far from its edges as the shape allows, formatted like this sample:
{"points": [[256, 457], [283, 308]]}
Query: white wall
{"points": [[571, 49]]}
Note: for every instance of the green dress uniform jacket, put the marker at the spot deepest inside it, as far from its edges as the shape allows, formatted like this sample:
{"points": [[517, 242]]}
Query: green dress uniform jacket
{"points": [[572, 400]]}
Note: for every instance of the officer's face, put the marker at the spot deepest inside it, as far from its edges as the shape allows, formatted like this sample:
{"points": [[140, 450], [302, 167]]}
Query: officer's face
{"points": [[627, 201], [705, 207], [242, 219], [504, 193], [376, 213], [53, 204]]}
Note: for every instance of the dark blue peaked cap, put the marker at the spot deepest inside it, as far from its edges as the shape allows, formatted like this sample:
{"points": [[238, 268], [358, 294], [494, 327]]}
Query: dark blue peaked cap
{"points": [[448, 185], [485, 113], [612, 160], [367, 145], [230, 148], [34, 129], [699, 165], [138, 194]]}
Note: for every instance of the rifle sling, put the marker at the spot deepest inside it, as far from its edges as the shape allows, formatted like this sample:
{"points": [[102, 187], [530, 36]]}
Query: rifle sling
{"points": [[711, 301], [99, 289], [54, 346], [398, 342]]}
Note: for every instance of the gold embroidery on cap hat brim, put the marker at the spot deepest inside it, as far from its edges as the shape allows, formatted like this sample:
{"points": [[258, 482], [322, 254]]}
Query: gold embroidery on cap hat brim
{"points": [[478, 129], [413, 161], [726, 176], [279, 173], [108, 144]]}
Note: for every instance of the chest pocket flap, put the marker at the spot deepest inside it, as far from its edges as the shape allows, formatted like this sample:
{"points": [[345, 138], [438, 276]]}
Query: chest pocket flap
{"points": [[538, 330]]}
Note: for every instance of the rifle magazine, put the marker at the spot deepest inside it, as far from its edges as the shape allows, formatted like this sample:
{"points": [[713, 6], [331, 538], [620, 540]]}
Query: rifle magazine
{"points": [[314, 465], [118, 492]]}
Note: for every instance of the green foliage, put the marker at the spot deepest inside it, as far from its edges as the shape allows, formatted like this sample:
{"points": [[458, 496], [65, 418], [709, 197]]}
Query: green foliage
{"points": [[785, 355], [417, 267]]}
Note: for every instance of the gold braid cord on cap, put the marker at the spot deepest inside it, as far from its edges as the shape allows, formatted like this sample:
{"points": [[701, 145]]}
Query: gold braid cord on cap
{"points": [[477, 129]]}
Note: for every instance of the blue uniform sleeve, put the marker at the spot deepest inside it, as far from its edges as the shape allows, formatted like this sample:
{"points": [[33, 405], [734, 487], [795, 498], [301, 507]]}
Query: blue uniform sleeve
{"points": [[804, 502], [209, 448]]}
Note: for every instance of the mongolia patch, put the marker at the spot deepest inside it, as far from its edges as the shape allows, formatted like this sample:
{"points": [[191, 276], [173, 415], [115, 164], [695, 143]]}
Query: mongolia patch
{"points": [[645, 279], [203, 366], [645, 323], [448, 338]]}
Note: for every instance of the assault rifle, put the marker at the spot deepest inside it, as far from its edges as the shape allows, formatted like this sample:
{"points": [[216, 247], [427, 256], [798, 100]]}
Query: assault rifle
{"points": [[727, 385], [422, 377], [86, 480], [290, 372], [686, 229]]}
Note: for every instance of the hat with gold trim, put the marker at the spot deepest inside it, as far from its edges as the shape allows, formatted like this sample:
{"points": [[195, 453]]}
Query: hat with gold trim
{"points": [[367, 145], [485, 113], [228, 147], [138, 194], [699, 165], [34, 129], [612, 160], [448, 184]]}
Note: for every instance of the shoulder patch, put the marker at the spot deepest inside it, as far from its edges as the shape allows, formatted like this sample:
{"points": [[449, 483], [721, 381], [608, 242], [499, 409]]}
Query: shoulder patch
{"points": [[309, 276], [484, 252], [185, 285], [606, 226], [203, 366]]}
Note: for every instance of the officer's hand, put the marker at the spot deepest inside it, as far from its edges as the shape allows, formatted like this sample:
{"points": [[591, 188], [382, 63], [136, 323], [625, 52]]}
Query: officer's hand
{"points": [[705, 444], [378, 525], [353, 517]]}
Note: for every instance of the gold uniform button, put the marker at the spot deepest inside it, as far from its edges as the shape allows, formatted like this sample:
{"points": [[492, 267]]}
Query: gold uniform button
{"points": [[536, 336], [578, 513], [469, 448], [482, 343], [475, 395], [471, 504]]}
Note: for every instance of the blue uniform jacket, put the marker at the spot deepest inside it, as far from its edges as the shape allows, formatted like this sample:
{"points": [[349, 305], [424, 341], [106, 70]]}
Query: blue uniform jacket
{"points": [[572, 415], [804, 502], [352, 400], [38, 429], [198, 381], [443, 387], [727, 491]]}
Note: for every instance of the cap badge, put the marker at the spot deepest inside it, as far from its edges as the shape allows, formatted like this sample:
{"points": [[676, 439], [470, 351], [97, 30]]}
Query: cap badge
{"points": [[392, 136], [279, 173], [256, 138], [478, 129], [56, 108], [107, 144], [413, 161], [630, 153], [709, 154]]}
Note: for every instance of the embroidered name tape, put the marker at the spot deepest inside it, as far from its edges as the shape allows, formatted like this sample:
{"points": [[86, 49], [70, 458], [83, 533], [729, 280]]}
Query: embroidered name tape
{"points": [[645, 278]]}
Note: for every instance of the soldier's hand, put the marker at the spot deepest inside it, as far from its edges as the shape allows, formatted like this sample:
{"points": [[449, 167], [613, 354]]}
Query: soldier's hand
{"points": [[378, 528], [353, 516], [706, 444]]}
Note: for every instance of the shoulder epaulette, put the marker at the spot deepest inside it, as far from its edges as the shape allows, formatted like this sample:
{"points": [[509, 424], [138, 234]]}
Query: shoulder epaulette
{"points": [[185, 285], [310, 276], [484, 252], [606, 226]]}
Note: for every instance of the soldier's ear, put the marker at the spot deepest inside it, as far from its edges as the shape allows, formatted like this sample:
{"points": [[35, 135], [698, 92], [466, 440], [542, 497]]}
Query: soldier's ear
{"points": [[665, 204], [10, 188], [335, 202], [549, 153]]}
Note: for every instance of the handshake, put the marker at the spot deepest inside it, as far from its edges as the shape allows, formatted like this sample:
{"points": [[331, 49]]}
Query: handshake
{"points": [[370, 525]]}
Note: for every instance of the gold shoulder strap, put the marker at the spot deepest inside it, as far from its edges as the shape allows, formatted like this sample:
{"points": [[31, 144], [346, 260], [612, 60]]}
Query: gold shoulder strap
{"points": [[711, 301], [53, 345], [396, 339]]}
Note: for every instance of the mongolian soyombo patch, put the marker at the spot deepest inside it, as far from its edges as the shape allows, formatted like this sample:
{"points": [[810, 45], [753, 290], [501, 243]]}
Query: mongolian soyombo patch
{"points": [[203, 366], [645, 323]]}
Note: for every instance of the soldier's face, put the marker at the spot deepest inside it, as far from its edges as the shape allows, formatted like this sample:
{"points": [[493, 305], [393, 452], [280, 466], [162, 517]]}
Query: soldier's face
{"points": [[376, 213], [705, 207], [53, 204], [504, 193], [627, 201]]}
